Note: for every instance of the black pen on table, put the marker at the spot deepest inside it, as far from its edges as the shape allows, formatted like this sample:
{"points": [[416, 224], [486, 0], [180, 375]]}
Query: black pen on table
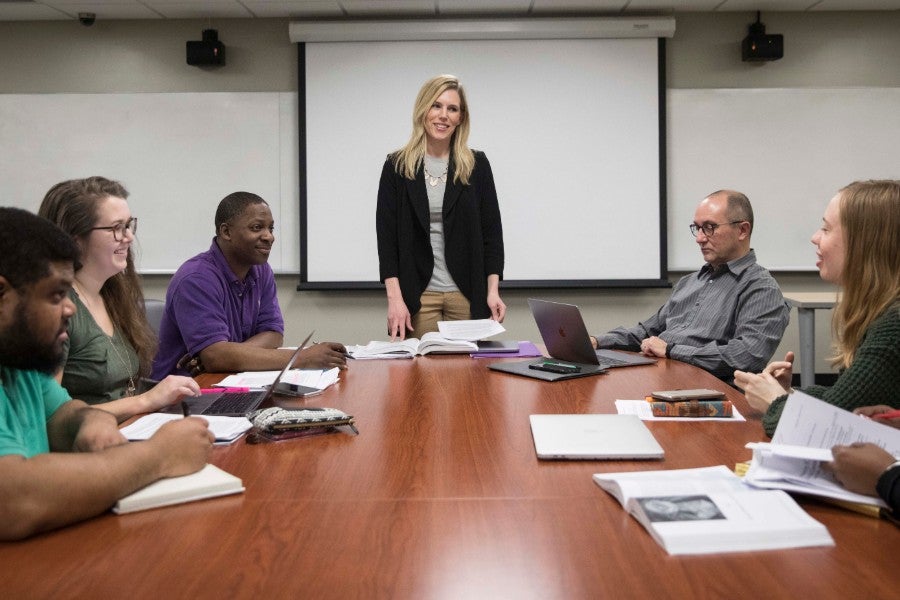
{"points": [[185, 409]]}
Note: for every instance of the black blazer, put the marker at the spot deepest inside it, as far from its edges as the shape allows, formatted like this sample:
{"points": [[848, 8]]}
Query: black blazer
{"points": [[473, 234]]}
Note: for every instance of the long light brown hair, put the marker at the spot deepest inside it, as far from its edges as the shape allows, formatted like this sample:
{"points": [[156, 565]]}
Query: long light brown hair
{"points": [[870, 220], [408, 159], [72, 205]]}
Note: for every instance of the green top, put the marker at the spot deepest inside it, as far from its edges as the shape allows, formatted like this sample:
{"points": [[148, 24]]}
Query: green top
{"points": [[873, 378], [27, 401], [98, 368]]}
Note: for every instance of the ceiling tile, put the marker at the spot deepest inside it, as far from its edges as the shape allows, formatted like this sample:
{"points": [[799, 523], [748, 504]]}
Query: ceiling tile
{"points": [[357, 8], [29, 12], [511, 7], [197, 10], [104, 10], [675, 5], [294, 8], [857, 5], [184, 9], [544, 6], [766, 5]]}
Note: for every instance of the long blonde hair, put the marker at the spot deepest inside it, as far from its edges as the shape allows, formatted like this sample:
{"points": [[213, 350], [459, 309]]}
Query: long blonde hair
{"points": [[870, 219], [408, 159]]}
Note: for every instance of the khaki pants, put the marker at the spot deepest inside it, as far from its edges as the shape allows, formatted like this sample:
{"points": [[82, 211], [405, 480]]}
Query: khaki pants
{"points": [[439, 306]]}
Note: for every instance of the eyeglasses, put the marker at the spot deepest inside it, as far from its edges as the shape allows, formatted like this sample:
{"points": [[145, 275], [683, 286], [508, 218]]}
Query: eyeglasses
{"points": [[709, 229], [118, 231]]}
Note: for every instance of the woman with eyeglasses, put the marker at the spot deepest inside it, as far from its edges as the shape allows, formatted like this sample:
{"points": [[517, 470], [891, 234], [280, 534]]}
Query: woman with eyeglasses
{"points": [[111, 344], [857, 249]]}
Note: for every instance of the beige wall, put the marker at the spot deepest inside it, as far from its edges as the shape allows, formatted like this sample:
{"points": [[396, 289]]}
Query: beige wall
{"points": [[821, 49]]}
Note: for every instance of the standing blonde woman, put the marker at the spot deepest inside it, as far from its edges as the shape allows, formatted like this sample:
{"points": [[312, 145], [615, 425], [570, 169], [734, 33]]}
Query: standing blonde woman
{"points": [[111, 344], [857, 248], [440, 239]]}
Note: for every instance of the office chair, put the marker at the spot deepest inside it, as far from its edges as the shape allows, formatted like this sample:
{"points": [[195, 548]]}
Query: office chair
{"points": [[154, 310]]}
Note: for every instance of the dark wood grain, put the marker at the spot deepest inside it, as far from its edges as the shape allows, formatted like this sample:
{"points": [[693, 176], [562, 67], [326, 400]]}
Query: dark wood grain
{"points": [[441, 496]]}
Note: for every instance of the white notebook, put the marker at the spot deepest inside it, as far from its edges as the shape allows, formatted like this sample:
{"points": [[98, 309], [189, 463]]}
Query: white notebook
{"points": [[208, 482]]}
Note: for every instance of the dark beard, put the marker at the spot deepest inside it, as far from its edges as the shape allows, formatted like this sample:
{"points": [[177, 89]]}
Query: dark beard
{"points": [[20, 349]]}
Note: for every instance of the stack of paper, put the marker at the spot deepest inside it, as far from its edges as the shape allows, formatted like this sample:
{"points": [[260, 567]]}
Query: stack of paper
{"points": [[313, 378], [473, 330], [226, 429]]}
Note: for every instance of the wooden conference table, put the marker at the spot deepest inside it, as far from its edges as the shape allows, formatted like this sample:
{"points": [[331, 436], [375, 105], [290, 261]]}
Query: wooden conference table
{"points": [[441, 496]]}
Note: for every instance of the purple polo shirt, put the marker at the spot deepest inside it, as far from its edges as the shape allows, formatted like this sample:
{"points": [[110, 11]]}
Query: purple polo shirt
{"points": [[206, 303]]}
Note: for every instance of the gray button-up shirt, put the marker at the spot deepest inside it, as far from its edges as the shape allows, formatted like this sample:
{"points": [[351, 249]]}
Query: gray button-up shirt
{"points": [[722, 320]]}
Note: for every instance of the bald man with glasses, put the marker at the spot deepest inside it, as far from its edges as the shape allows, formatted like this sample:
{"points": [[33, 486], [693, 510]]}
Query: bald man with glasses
{"points": [[728, 315]]}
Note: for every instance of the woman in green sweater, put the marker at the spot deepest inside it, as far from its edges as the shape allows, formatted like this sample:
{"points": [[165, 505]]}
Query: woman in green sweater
{"points": [[857, 248]]}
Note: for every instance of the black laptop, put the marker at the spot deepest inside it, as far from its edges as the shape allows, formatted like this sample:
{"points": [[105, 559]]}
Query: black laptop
{"points": [[234, 404], [568, 343], [566, 337]]}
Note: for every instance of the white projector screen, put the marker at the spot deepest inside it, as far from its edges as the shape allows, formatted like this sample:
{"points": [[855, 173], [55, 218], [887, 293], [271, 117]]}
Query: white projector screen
{"points": [[572, 128]]}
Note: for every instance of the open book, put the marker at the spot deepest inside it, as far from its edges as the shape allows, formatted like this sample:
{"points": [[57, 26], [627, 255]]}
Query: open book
{"points": [[806, 431], [453, 337], [707, 510], [208, 482], [410, 347]]}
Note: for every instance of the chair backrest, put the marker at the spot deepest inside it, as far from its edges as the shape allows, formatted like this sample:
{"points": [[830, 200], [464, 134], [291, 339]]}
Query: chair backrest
{"points": [[154, 310]]}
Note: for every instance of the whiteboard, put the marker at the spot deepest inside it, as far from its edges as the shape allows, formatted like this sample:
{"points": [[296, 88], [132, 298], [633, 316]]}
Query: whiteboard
{"points": [[789, 150], [571, 129], [178, 154]]}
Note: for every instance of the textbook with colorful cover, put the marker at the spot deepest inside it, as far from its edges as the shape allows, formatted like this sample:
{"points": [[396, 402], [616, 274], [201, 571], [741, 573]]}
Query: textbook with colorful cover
{"points": [[208, 482], [709, 510], [691, 408]]}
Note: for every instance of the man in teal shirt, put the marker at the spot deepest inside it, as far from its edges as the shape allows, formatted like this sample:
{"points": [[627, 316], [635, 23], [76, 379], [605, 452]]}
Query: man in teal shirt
{"points": [[60, 460]]}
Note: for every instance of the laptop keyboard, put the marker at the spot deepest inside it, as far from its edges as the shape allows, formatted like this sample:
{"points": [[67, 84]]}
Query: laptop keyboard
{"points": [[233, 402]]}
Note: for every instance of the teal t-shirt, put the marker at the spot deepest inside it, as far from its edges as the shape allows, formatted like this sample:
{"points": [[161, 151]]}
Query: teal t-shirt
{"points": [[27, 401]]}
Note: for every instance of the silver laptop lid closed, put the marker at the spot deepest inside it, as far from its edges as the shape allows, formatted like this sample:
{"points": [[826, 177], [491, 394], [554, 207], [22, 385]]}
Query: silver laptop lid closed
{"points": [[593, 437]]}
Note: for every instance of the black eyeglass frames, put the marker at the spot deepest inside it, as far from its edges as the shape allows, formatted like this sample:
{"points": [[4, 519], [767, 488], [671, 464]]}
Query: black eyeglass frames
{"points": [[709, 229], [118, 230]]}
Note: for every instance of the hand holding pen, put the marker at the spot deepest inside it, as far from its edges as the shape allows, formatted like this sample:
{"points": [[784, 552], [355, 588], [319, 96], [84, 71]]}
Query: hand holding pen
{"points": [[881, 413]]}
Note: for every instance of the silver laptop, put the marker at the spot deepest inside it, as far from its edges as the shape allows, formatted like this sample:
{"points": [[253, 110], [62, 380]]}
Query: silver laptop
{"points": [[593, 437], [565, 335]]}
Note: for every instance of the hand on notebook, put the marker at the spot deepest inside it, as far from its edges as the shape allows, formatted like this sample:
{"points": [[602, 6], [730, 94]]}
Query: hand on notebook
{"points": [[184, 445]]}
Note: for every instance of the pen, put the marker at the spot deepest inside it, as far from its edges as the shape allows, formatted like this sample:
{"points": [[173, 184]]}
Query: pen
{"points": [[891, 414], [185, 409], [224, 389]]}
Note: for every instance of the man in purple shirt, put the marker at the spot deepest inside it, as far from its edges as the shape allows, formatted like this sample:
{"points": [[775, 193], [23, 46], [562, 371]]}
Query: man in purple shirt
{"points": [[222, 310]]}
